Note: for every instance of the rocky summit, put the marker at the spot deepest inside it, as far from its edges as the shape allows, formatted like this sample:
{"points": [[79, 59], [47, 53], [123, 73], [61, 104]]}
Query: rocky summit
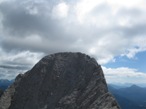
{"points": [[60, 81]]}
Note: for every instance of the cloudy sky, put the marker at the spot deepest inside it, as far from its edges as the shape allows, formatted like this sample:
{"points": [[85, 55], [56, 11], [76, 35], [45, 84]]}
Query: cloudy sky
{"points": [[112, 31]]}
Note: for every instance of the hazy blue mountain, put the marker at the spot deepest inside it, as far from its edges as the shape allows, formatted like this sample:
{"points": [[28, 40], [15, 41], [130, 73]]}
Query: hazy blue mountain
{"points": [[116, 86], [4, 83], [134, 93], [132, 97]]}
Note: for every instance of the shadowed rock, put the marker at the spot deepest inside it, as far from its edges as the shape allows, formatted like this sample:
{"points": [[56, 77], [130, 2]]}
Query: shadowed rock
{"points": [[1, 92], [60, 81]]}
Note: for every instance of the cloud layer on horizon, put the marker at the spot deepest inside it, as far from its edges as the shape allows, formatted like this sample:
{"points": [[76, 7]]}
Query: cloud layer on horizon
{"points": [[124, 75], [103, 29]]}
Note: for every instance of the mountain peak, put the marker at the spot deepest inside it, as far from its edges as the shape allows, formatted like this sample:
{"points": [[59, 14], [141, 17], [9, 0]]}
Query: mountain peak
{"points": [[60, 81], [135, 86]]}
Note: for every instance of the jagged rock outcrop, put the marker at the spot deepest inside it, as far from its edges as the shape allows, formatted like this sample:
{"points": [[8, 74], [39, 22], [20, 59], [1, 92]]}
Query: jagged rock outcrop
{"points": [[60, 81]]}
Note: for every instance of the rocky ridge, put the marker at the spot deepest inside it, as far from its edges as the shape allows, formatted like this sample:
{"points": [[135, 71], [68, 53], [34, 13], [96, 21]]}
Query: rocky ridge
{"points": [[60, 81]]}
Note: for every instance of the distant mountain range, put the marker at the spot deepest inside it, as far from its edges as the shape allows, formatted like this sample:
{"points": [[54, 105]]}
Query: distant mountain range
{"points": [[4, 83], [133, 97]]}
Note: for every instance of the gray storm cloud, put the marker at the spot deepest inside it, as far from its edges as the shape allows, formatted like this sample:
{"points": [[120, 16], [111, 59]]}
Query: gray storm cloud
{"points": [[30, 26], [43, 27]]}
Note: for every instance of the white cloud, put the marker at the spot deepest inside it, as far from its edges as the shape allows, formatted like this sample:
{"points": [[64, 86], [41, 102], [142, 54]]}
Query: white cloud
{"points": [[133, 51], [32, 10], [84, 7], [10, 73], [60, 10], [139, 45], [127, 3], [100, 32], [24, 58], [124, 75], [3, 1], [101, 28], [13, 63]]}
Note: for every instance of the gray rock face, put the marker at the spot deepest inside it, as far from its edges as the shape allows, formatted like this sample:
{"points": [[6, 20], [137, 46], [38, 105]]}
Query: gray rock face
{"points": [[1, 92], [60, 81]]}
